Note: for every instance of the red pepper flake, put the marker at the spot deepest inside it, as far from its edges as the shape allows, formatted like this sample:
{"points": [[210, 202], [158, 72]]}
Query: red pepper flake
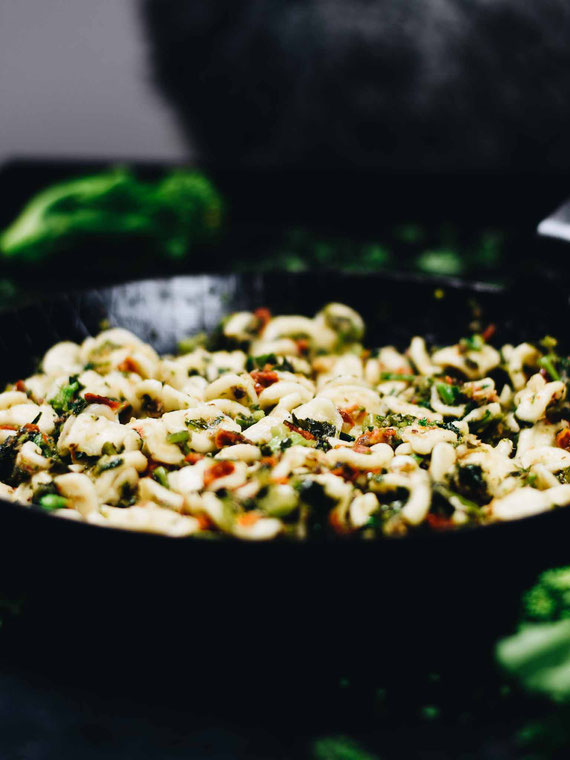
{"points": [[305, 433], [94, 398], [218, 470], [263, 379], [128, 365], [31, 428], [377, 435], [488, 332], [438, 522], [20, 386], [263, 315], [9, 427], [193, 457], [228, 438], [302, 346], [563, 439], [268, 461]]}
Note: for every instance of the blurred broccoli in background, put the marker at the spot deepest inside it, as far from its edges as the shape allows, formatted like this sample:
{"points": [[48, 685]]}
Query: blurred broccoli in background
{"points": [[538, 654], [439, 249], [174, 213]]}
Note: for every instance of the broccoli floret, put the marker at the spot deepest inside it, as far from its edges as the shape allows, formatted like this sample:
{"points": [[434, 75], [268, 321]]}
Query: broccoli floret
{"points": [[549, 599], [174, 213], [538, 654]]}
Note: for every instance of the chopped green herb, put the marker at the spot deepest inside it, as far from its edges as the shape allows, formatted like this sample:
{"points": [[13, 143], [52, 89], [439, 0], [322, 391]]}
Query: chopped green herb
{"points": [[396, 376], [63, 401], [449, 394], [200, 424], [276, 362], [111, 465], [316, 428]]}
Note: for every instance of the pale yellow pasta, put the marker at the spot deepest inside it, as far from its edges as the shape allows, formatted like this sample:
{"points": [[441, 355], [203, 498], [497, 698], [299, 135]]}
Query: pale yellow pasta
{"points": [[288, 427]]}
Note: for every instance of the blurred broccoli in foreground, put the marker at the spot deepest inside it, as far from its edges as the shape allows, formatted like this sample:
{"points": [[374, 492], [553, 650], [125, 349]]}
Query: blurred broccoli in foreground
{"points": [[549, 599], [176, 212], [538, 654]]}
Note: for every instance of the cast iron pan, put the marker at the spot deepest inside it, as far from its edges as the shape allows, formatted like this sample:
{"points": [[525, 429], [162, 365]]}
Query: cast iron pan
{"points": [[149, 605]]}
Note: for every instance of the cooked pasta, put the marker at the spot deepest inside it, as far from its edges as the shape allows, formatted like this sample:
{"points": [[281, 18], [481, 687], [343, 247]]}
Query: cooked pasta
{"points": [[288, 427]]}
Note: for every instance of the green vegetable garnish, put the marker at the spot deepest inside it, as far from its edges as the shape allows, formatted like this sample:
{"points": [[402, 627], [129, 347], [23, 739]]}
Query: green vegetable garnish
{"points": [[187, 345], [161, 476], [473, 343], [276, 362], [245, 422], [449, 394], [396, 376], [179, 437], [547, 363], [64, 400], [51, 501]]}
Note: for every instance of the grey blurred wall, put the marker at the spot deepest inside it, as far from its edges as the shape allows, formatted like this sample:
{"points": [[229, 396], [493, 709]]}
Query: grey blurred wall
{"points": [[74, 81]]}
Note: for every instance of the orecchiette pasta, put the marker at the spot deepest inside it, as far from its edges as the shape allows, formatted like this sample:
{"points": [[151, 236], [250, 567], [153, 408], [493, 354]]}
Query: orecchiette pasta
{"points": [[289, 428]]}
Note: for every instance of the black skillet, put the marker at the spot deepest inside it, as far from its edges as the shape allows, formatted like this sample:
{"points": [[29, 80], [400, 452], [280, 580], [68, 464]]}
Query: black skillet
{"points": [[154, 604]]}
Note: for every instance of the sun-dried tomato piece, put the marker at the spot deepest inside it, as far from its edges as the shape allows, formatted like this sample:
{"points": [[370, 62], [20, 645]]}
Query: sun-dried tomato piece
{"points": [[94, 398], [248, 519], [563, 439], [128, 365], [305, 433], [439, 522], [263, 315], [228, 438], [346, 472], [192, 457], [377, 435], [339, 527], [204, 522], [263, 378], [346, 417], [360, 448], [218, 470]]}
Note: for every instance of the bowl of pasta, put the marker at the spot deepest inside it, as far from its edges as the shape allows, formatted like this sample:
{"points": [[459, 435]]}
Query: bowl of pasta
{"points": [[331, 456]]}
